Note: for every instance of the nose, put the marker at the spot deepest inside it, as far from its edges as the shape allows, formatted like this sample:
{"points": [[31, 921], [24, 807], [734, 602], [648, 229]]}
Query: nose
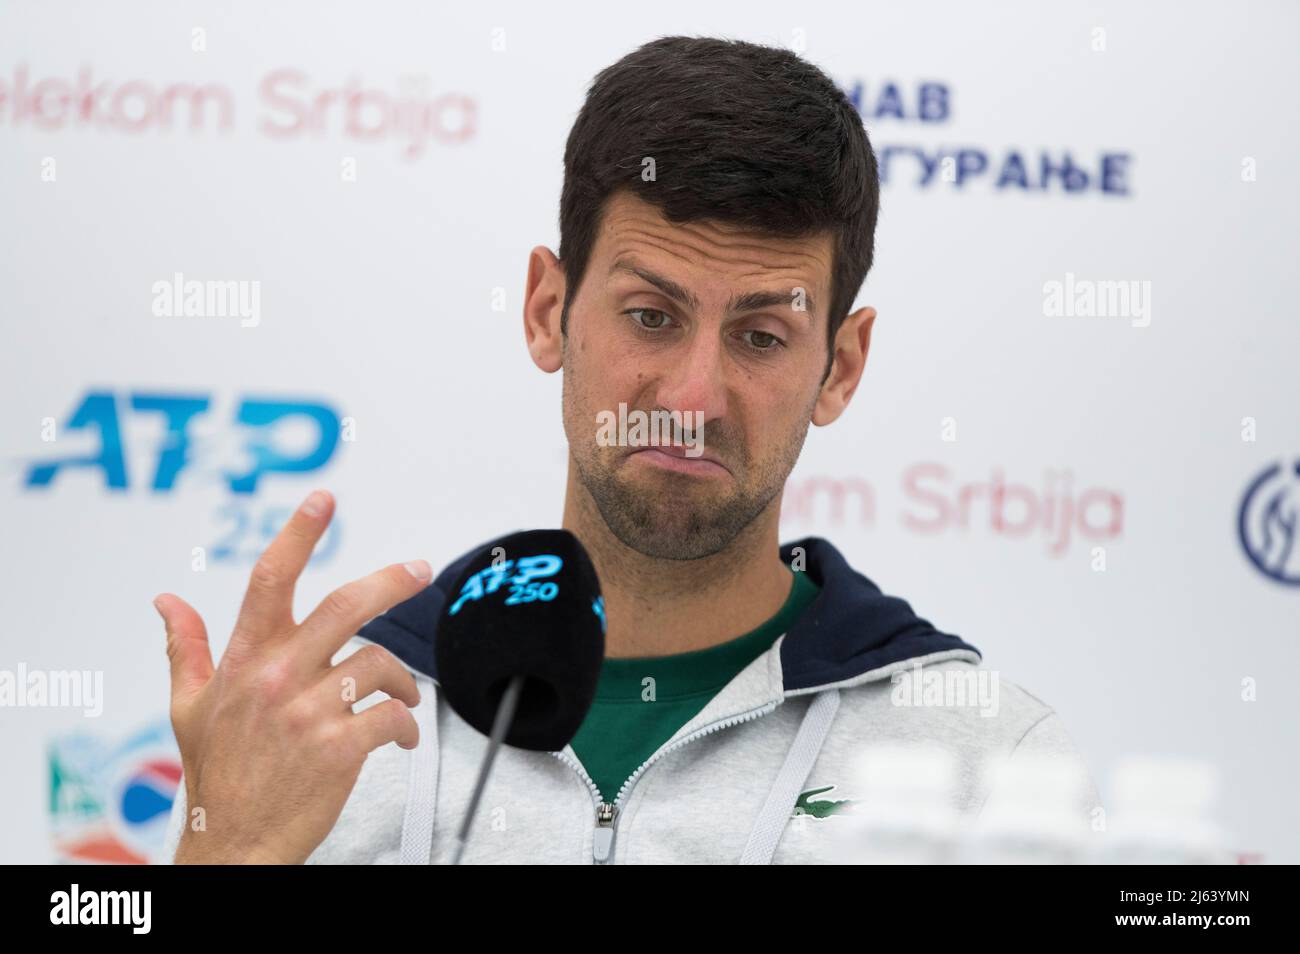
{"points": [[694, 379]]}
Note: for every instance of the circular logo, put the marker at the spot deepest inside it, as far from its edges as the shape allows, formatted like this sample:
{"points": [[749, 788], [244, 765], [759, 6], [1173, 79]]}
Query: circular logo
{"points": [[140, 799], [1269, 523]]}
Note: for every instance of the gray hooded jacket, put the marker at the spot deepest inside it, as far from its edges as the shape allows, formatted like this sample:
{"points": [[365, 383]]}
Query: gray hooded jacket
{"points": [[769, 771]]}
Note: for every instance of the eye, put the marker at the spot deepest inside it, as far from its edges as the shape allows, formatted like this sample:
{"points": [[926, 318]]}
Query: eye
{"points": [[763, 340], [653, 320]]}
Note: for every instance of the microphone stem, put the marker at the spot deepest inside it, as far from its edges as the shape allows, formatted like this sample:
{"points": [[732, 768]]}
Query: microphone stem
{"points": [[500, 725]]}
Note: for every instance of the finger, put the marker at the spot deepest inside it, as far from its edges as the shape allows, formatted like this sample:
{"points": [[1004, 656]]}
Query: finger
{"points": [[343, 612], [371, 668], [268, 601], [187, 646], [389, 721]]}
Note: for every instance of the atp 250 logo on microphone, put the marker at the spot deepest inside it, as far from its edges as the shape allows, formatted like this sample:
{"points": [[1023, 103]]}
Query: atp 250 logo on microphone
{"points": [[152, 442], [526, 580]]}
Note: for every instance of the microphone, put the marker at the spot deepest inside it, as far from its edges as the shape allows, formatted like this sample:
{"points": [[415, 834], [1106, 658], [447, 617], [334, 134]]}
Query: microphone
{"points": [[520, 645]]}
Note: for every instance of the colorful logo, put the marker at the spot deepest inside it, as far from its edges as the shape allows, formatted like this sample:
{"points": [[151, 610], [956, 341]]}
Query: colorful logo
{"points": [[109, 804]]}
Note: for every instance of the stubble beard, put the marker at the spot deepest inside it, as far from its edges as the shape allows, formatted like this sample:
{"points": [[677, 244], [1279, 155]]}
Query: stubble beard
{"points": [[670, 516]]}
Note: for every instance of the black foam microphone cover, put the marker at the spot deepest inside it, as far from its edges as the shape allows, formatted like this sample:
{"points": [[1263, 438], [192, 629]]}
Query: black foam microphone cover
{"points": [[528, 605]]}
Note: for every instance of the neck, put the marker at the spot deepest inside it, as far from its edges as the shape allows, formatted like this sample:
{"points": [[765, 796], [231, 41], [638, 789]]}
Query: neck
{"points": [[657, 607]]}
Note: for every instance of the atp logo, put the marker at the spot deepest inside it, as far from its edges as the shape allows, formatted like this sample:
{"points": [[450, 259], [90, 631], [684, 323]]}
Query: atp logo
{"points": [[240, 453], [1268, 523], [521, 577]]}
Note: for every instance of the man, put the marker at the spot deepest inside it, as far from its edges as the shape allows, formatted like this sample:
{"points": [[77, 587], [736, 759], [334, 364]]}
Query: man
{"points": [[717, 221]]}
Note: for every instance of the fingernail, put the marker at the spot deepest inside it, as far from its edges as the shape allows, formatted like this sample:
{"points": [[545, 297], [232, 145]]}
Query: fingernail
{"points": [[315, 503], [419, 569], [157, 604]]}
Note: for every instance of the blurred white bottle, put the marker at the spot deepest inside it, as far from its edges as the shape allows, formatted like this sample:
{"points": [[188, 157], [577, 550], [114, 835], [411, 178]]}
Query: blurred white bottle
{"points": [[1033, 814], [1162, 814], [905, 813]]}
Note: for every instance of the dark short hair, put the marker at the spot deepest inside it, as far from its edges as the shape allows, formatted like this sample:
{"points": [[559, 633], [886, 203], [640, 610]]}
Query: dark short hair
{"points": [[740, 133]]}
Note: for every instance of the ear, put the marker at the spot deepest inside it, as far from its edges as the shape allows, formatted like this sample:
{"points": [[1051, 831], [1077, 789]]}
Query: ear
{"points": [[851, 344], [543, 304]]}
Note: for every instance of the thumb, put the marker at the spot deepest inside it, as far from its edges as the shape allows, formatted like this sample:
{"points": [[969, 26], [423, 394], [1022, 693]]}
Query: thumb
{"points": [[187, 646]]}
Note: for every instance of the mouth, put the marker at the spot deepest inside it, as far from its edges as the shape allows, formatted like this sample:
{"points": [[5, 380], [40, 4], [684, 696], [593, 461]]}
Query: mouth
{"points": [[672, 457]]}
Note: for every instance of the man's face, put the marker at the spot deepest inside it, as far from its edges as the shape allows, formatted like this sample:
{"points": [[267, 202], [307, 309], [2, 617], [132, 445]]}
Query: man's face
{"points": [[661, 323]]}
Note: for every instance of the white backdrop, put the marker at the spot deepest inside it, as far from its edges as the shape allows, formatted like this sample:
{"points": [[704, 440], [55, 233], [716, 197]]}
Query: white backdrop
{"points": [[391, 256]]}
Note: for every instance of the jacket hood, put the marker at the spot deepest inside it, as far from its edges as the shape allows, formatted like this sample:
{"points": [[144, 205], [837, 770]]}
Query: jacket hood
{"points": [[850, 629]]}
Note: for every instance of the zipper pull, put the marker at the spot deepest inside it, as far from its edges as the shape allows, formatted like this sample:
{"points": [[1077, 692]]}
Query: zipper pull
{"points": [[604, 839]]}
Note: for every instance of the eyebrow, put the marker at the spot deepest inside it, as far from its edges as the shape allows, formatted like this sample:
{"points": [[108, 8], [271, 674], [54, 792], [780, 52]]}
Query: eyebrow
{"points": [[750, 301]]}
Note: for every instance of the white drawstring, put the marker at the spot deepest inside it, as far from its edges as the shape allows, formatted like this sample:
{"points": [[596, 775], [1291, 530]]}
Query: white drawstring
{"points": [[422, 790], [781, 799]]}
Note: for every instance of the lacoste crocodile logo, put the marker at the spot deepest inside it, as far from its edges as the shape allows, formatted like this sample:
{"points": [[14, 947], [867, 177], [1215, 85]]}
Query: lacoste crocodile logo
{"points": [[822, 807]]}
